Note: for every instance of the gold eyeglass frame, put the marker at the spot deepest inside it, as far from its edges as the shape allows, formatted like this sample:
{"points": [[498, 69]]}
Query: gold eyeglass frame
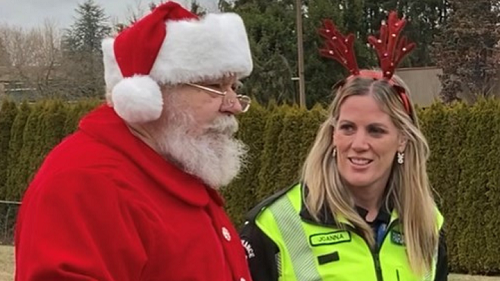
{"points": [[243, 99]]}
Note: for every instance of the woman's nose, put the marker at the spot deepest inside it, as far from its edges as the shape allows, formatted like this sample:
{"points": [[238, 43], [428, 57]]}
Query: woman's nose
{"points": [[360, 141]]}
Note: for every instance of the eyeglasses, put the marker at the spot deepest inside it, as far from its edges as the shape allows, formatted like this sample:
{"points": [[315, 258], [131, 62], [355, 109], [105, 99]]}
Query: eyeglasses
{"points": [[244, 100]]}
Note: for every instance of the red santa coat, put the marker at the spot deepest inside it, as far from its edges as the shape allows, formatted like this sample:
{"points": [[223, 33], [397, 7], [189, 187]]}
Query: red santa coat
{"points": [[105, 206]]}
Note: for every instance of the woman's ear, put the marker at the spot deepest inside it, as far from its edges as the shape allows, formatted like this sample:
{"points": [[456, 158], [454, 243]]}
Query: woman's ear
{"points": [[333, 136], [403, 140]]}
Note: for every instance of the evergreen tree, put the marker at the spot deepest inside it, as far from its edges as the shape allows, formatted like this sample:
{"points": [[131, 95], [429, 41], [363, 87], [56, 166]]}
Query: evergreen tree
{"points": [[468, 51], [82, 49], [271, 30], [50, 131], [353, 16], [270, 159], [88, 30], [322, 73], [22, 172], [72, 117], [477, 195], [424, 19], [74, 112], [441, 125], [15, 147], [289, 151], [240, 193], [271, 26], [8, 112], [310, 126]]}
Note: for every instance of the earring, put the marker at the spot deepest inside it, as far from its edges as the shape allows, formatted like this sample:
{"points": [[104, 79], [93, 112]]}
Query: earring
{"points": [[401, 158], [334, 152]]}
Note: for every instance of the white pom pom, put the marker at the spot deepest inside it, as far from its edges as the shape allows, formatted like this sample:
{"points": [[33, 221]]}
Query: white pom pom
{"points": [[137, 99]]}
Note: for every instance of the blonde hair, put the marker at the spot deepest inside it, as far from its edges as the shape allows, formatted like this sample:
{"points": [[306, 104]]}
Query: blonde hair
{"points": [[408, 187]]}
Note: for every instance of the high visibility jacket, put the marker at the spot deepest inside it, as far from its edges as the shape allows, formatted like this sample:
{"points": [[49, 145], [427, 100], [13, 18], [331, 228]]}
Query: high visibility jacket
{"points": [[310, 251]]}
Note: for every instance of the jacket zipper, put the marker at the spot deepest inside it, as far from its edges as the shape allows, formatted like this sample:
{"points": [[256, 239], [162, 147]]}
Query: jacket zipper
{"points": [[375, 252], [397, 274], [378, 269]]}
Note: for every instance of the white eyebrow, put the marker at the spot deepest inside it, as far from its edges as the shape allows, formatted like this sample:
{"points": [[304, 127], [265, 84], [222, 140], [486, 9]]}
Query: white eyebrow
{"points": [[238, 84]]}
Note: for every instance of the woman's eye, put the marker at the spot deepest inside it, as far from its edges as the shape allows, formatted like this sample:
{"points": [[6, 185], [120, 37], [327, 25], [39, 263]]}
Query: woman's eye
{"points": [[376, 131], [347, 128]]}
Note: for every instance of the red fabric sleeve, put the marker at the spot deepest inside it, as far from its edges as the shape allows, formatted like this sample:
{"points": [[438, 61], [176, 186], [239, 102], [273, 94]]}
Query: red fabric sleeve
{"points": [[76, 226]]}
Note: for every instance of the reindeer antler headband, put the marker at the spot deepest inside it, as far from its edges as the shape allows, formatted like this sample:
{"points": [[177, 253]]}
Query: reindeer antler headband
{"points": [[390, 50]]}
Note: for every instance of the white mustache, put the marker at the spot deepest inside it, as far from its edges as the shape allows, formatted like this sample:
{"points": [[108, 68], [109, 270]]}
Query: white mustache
{"points": [[227, 125]]}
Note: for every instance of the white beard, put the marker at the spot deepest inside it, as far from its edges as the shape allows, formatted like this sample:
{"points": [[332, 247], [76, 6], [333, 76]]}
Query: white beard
{"points": [[214, 155]]}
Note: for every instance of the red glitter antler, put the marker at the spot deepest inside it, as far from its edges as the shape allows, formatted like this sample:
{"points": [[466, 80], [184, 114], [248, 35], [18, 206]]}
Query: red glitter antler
{"points": [[389, 50], [339, 47]]}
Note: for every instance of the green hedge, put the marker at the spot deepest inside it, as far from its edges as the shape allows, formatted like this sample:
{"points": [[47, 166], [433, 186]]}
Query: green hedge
{"points": [[8, 113], [34, 131], [15, 146], [464, 167], [239, 195]]}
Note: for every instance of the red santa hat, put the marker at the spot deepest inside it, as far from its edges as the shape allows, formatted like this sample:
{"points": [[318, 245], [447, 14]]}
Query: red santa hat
{"points": [[171, 46]]}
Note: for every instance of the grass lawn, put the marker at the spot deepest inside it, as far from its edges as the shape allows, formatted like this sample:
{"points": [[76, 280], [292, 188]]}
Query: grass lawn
{"points": [[7, 268], [460, 277], [6, 263]]}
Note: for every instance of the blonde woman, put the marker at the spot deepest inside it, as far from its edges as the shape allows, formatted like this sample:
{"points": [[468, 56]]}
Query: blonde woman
{"points": [[363, 209]]}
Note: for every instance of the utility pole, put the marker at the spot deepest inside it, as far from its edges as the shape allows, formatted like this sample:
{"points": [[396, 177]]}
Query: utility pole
{"points": [[300, 51]]}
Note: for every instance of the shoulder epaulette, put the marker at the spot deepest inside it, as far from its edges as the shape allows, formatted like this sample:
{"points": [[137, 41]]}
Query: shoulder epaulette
{"points": [[255, 211]]}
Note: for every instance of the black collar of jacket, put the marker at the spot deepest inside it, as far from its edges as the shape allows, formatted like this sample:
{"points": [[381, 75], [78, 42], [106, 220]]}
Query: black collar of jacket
{"points": [[326, 217]]}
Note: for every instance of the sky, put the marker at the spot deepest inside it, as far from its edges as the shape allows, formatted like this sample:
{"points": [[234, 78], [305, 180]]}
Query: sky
{"points": [[32, 13]]}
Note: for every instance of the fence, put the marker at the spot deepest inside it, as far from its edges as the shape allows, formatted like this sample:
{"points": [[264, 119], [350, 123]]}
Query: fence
{"points": [[8, 214]]}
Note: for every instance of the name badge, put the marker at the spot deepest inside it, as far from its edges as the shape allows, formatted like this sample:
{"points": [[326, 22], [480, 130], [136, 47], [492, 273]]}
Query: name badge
{"points": [[329, 238]]}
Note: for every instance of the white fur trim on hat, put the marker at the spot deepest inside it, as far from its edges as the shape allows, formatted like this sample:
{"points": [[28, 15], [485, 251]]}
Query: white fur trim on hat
{"points": [[137, 99], [112, 72], [210, 48], [193, 51]]}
